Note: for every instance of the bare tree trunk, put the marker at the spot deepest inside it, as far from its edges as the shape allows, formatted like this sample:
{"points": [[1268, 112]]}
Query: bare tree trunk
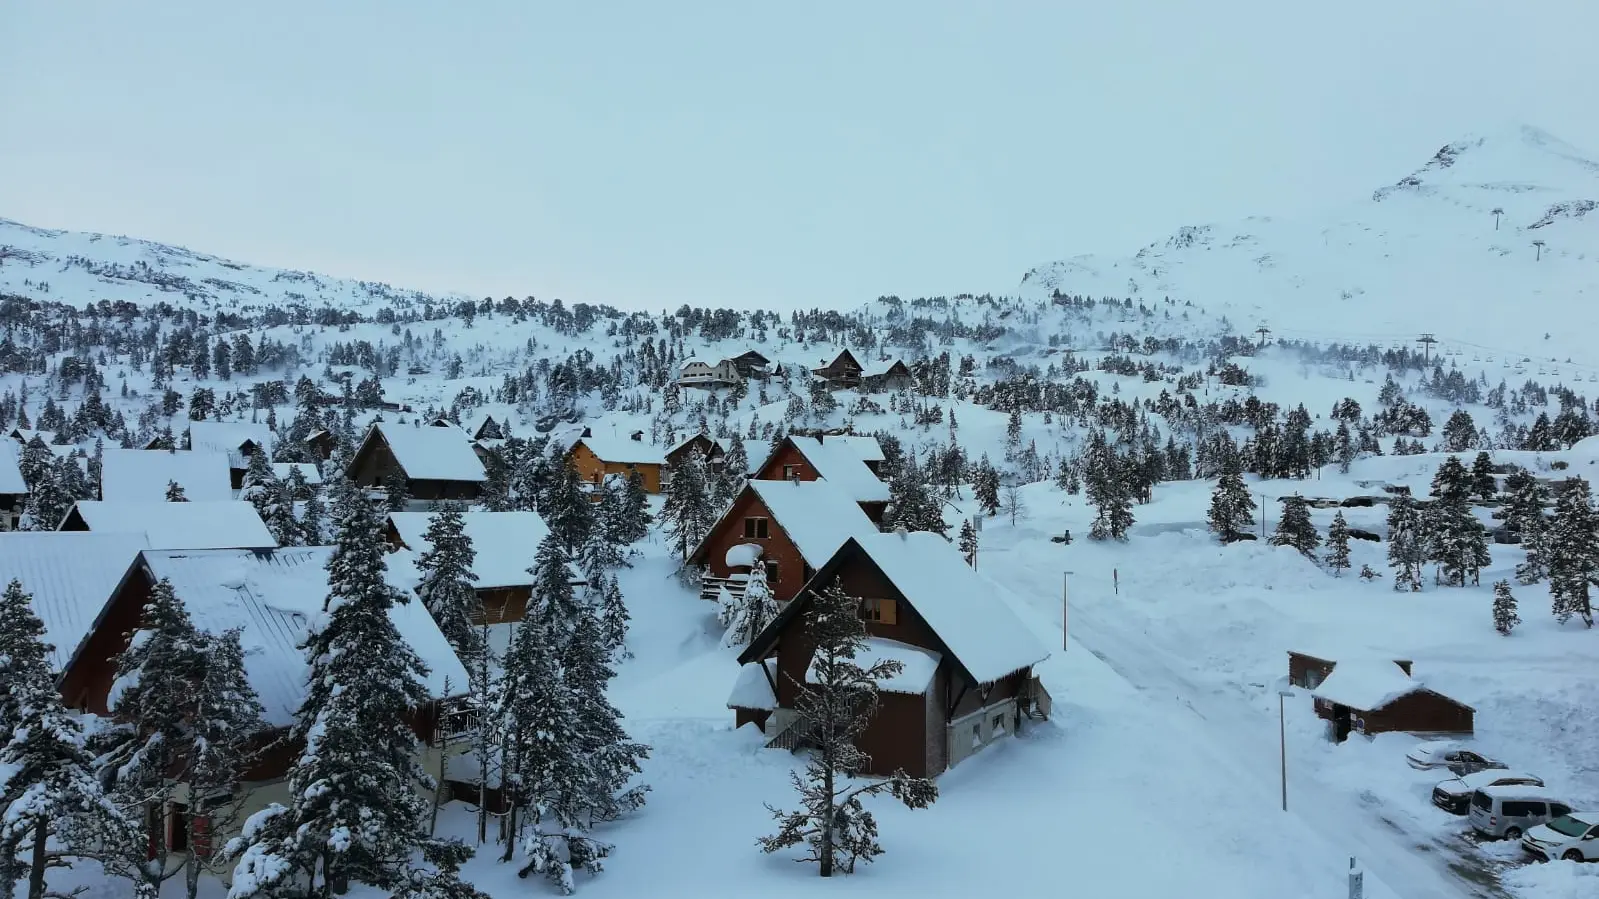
{"points": [[41, 835], [827, 822], [510, 831]]}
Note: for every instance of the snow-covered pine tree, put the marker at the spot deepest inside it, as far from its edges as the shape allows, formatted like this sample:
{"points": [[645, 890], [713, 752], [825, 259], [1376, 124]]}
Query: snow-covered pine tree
{"points": [[553, 601], [835, 709], [260, 484], [687, 510], [357, 812], [275, 500], [1573, 552], [611, 757], [1231, 508], [985, 487], [1337, 555], [1107, 490], [1406, 547], [175, 493], [442, 879], [1457, 541], [614, 618], [225, 722], [599, 553], [49, 501], [446, 580], [968, 543], [911, 503], [396, 490], [1295, 528], [51, 805], [151, 703], [313, 521], [747, 615], [735, 470], [630, 516], [1483, 483], [1505, 617], [1524, 508]]}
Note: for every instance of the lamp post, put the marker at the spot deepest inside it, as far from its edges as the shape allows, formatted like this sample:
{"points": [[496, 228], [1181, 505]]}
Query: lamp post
{"points": [[1284, 690]]}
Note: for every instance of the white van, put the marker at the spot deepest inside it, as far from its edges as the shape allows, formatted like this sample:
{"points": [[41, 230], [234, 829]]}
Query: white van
{"points": [[1505, 812]]}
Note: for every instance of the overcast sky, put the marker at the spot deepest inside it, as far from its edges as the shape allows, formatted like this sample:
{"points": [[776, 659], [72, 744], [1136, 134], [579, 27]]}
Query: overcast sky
{"points": [[747, 154]]}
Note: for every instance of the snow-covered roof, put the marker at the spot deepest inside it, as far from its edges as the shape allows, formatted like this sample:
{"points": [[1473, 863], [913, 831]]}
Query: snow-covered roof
{"points": [[695, 360], [743, 555], [1366, 684], [432, 454], [227, 437], [693, 437], [917, 665], [505, 543], [971, 614], [864, 445], [878, 368], [752, 690], [11, 481], [133, 475], [840, 463], [818, 516], [614, 448], [26, 435], [70, 576], [280, 470], [275, 597], [192, 525]]}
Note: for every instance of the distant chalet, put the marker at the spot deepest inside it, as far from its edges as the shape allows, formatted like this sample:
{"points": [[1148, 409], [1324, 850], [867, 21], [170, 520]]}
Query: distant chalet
{"points": [[840, 460], [594, 457], [438, 464]]}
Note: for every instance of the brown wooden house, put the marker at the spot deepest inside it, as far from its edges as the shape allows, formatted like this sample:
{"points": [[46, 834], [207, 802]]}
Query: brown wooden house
{"points": [[967, 677], [437, 463], [788, 527], [320, 443], [751, 364], [843, 371], [833, 459], [238, 440], [1307, 670], [504, 544], [1375, 696], [272, 596], [711, 449], [596, 457], [885, 376]]}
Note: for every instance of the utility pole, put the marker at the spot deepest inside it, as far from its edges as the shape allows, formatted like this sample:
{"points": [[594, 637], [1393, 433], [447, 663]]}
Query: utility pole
{"points": [[1263, 331], [1426, 341]]}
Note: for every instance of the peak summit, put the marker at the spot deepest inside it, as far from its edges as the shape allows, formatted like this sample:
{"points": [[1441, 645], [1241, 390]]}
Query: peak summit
{"points": [[1521, 158]]}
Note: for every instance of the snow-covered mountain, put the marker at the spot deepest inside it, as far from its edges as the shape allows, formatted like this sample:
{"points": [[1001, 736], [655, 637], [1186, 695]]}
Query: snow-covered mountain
{"points": [[1452, 249]]}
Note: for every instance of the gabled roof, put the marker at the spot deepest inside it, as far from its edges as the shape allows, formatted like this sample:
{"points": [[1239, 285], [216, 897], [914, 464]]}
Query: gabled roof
{"points": [[228, 437], [817, 516], [276, 596], [505, 543], [71, 577], [841, 464], [753, 355], [840, 357], [280, 470], [1366, 684], [430, 454], [133, 475], [11, 481], [193, 525], [878, 369], [612, 448], [681, 444], [26, 435], [864, 445], [968, 613]]}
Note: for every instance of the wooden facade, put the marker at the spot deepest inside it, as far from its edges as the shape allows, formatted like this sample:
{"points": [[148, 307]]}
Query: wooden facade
{"points": [[896, 377], [374, 462], [711, 449], [591, 469], [923, 734], [321, 444], [843, 371], [788, 463], [1424, 712], [750, 521], [751, 364]]}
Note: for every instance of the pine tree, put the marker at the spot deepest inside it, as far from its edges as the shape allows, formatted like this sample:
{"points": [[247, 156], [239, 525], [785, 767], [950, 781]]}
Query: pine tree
{"points": [[313, 521], [1573, 552], [1295, 528], [48, 792], [611, 757], [1406, 549], [687, 509], [357, 811], [396, 491], [565, 506], [745, 616], [614, 618], [1231, 508], [1337, 557], [1524, 515], [1483, 483], [968, 543], [225, 720], [1107, 490], [443, 879], [49, 501], [835, 707], [260, 484], [1505, 617], [630, 517], [911, 503], [734, 472], [175, 493], [150, 701], [1457, 541], [553, 601], [985, 487], [446, 580]]}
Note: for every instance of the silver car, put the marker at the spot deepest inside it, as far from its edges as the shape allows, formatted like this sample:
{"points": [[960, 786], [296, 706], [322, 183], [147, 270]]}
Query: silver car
{"points": [[1506, 812], [1454, 795]]}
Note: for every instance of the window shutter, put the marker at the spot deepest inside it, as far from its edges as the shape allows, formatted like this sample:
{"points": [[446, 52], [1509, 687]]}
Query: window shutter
{"points": [[200, 836], [888, 609]]}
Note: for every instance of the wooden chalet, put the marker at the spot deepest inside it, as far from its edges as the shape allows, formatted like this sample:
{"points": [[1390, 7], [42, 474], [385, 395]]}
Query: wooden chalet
{"points": [[1307, 670], [967, 677], [595, 457], [790, 528], [751, 364], [238, 440], [320, 443], [707, 374], [1375, 696], [843, 371], [70, 576], [437, 463], [505, 545], [837, 460], [273, 596], [889, 375], [711, 449]]}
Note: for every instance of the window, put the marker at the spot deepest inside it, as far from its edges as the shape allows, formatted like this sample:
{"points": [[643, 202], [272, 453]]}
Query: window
{"points": [[790, 472], [1522, 809], [177, 827], [999, 724], [977, 734], [755, 528], [771, 572], [882, 611]]}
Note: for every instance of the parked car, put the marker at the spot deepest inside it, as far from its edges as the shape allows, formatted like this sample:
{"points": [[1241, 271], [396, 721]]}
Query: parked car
{"points": [[1508, 812], [1449, 754], [1454, 794], [1573, 837]]}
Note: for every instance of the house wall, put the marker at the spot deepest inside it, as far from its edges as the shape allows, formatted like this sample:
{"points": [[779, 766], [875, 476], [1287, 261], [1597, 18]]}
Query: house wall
{"points": [[592, 469], [895, 738], [1420, 712], [87, 683], [502, 604], [792, 572], [433, 491], [756, 717], [787, 454], [1302, 667], [372, 463]]}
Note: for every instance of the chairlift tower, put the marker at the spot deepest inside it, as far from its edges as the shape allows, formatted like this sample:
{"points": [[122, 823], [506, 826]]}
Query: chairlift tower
{"points": [[1264, 332], [1426, 341]]}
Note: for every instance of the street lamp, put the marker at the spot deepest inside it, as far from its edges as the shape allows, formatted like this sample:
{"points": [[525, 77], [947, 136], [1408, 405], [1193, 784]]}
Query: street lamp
{"points": [[1285, 689]]}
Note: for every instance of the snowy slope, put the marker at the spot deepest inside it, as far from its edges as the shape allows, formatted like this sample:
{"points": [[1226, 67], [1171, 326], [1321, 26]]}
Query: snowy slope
{"points": [[1422, 254]]}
